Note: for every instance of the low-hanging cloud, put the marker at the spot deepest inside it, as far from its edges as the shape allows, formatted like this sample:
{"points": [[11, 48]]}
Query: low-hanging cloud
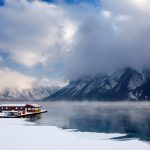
{"points": [[116, 37], [13, 79]]}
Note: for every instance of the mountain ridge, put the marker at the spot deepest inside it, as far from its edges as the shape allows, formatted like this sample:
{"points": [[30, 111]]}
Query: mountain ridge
{"points": [[126, 84], [33, 93]]}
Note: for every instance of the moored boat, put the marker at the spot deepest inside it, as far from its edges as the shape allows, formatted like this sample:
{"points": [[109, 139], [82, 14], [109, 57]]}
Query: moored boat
{"points": [[19, 110], [9, 114]]}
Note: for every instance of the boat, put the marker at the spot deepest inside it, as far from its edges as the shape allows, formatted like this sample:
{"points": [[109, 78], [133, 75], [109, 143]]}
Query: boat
{"points": [[9, 114], [19, 110]]}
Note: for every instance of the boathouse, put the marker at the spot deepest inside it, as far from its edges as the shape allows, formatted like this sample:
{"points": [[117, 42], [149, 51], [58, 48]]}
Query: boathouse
{"points": [[23, 108]]}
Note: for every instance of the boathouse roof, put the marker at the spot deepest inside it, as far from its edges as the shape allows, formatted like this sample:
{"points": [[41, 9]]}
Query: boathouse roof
{"points": [[18, 105]]}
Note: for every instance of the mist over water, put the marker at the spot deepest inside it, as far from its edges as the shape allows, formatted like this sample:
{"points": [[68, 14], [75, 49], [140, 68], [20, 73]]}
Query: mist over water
{"points": [[129, 118]]}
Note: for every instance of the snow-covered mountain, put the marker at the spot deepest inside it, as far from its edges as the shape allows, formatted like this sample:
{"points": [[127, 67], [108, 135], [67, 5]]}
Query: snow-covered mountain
{"points": [[121, 85], [35, 93], [125, 84]]}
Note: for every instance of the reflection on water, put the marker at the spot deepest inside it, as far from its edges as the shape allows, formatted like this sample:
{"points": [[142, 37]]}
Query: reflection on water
{"points": [[130, 118]]}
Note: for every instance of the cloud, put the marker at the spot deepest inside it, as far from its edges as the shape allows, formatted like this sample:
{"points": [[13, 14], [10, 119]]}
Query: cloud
{"points": [[35, 32], [116, 38], [127, 6], [1, 59], [61, 82], [106, 13], [85, 38], [14, 79]]}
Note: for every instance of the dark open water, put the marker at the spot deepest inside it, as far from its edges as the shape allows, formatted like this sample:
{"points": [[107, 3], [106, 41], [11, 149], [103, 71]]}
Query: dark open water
{"points": [[131, 118]]}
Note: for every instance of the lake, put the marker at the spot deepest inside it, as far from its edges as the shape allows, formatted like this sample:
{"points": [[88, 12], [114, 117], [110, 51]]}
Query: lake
{"points": [[121, 122], [131, 118]]}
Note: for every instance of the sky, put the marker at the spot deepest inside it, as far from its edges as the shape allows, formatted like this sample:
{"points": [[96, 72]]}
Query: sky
{"points": [[49, 42]]}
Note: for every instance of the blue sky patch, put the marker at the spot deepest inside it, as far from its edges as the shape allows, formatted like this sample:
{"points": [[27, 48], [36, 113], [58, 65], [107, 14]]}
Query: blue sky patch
{"points": [[75, 1], [1, 2]]}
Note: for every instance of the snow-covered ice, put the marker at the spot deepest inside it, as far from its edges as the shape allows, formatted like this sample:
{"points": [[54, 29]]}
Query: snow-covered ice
{"points": [[18, 134]]}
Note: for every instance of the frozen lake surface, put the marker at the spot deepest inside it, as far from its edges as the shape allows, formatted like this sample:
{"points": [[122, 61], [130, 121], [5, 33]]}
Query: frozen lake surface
{"points": [[80, 126]]}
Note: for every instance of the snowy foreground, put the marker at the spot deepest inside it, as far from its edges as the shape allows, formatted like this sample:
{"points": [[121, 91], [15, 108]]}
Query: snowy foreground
{"points": [[16, 134]]}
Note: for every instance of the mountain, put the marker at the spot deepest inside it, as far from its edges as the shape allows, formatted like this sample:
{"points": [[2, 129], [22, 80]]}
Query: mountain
{"points": [[125, 84], [35, 93]]}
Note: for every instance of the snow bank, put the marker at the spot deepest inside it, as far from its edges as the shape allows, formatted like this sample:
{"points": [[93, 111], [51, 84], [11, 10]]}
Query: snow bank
{"points": [[14, 122], [16, 136]]}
